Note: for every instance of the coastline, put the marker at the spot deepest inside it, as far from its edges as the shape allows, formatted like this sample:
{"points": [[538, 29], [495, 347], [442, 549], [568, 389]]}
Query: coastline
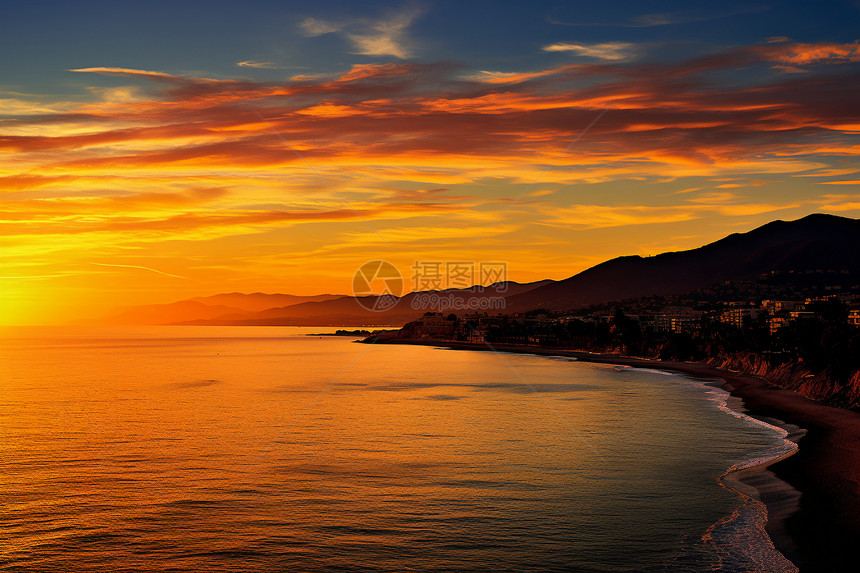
{"points": [[817, 527]]}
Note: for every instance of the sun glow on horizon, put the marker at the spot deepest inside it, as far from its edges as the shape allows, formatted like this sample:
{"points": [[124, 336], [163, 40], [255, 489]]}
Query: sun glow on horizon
{"points": [[161, 184]]}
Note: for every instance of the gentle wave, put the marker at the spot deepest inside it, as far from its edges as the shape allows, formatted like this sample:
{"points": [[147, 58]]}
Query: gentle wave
{"points": [[404, 458], [741, 539]]}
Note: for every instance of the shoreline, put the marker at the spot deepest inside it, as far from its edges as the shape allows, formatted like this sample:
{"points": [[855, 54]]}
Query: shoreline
{"points": [[817, 525]]}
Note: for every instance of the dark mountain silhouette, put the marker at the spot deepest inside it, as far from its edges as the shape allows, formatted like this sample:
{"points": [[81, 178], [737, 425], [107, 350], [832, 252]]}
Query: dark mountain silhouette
{"points": [[229, 305], [814, 242], [818, 241], [255, 302], [167, 313], [352, 311]]}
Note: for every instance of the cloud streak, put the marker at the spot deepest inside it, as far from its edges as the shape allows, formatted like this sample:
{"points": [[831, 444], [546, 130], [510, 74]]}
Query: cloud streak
{"points": [[609, 51], [266, 65], [130, 72], [385, 36], [428, 153], [139, 267]]}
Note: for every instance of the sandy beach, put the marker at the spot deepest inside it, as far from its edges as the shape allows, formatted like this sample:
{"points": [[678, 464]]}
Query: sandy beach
{"points": [[818, 531]]}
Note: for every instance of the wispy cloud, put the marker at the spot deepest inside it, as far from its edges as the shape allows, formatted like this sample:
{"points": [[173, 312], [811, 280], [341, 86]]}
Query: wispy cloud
{"points": [[28, 105], [606, 216], [158, 76], [386, 36], [609, 51], [829, 173], [31, 277], [140, 267], [804, 54], [267, 65], [187, 163], [494, 77], [314, 27]]}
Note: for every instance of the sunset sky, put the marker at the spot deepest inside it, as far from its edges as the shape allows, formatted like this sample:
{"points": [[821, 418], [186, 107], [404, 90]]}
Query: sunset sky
{"points": [[154, 151]]}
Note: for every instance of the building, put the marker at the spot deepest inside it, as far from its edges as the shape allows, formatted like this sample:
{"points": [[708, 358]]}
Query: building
{"points": [[476, 337], [677, 319], [737, 316], [774, 323], [775, 306], [436, 325]]}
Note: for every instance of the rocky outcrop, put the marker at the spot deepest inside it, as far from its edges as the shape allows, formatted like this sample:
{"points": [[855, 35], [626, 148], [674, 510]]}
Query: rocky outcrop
{"points": [[793, 376]]}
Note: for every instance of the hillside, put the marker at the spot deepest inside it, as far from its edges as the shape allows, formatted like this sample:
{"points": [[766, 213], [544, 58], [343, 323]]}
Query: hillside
{"points": [[814, 242], [818, 241]]}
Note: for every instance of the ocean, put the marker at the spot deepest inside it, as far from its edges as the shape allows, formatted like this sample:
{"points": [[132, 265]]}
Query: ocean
{"points": [[265, 449]]}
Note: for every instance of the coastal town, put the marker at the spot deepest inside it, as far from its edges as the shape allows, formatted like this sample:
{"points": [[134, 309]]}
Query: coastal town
{"points": [[802, 329]]}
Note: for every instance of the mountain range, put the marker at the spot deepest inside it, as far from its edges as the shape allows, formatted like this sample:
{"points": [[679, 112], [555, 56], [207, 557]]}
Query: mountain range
{"points": [[815, 242]]}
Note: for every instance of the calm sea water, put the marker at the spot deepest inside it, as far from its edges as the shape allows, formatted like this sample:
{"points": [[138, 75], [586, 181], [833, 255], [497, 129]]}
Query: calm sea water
{"points": [[261, 449]]}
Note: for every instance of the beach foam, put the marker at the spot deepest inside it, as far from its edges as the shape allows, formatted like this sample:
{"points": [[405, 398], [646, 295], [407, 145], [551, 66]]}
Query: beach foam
{"points": [[740, 539]]}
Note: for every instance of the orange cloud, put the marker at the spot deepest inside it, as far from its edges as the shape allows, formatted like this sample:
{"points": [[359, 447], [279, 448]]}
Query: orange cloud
{"points": [[801, 54], [374, 71], [407, 147]]}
